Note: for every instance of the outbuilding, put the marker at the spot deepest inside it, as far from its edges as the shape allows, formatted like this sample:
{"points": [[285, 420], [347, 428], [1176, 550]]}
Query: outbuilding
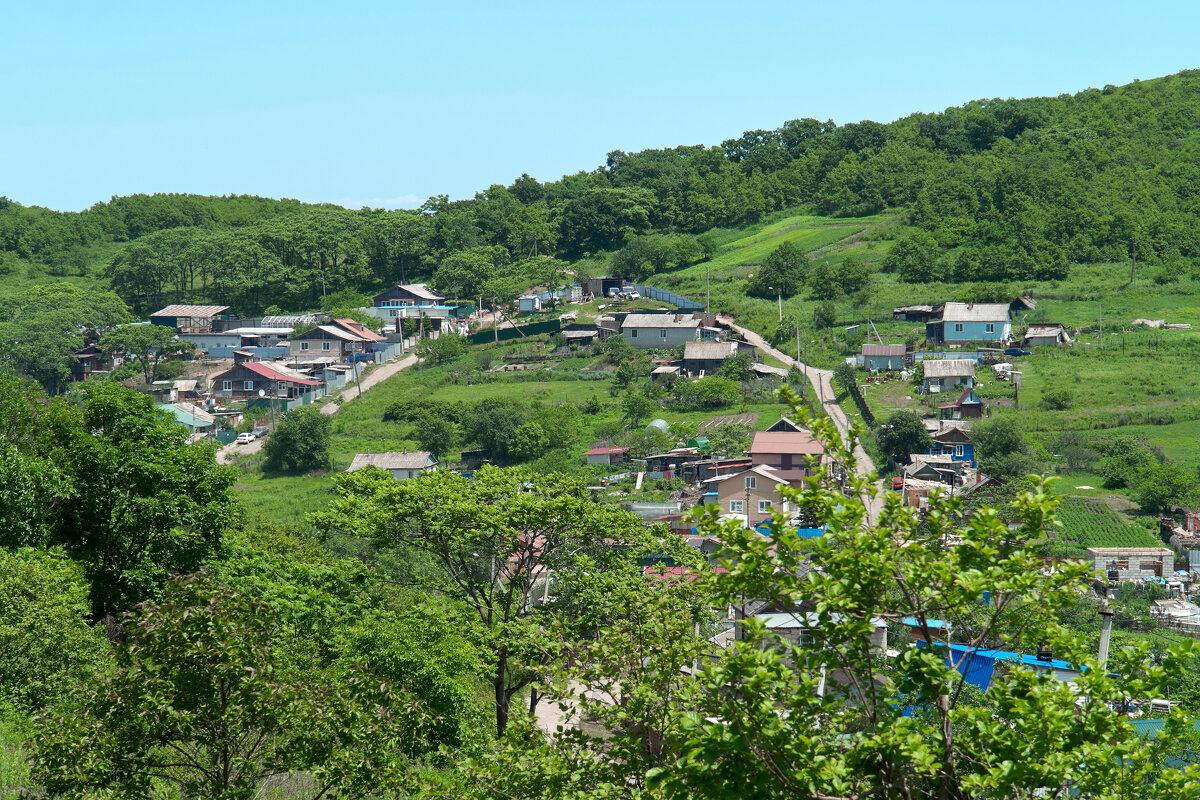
{"points": [[883, 356]]}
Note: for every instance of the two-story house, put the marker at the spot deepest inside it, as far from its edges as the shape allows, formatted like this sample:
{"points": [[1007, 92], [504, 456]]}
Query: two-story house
{"points": [[785, 450], [759, 486], [407, 294], [328, 340], [954, 442], [247, 378]]}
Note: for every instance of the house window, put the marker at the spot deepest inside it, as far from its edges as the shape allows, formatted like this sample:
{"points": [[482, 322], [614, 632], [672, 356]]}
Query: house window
{"points": [[393, 312], [764, 506], [633, 333], [958, 450], [304, 345], [662, 334], [958, 327], [990, 327], [1122, 564], [248, 386], [751, 482], [324, 345], [226, 386], [735, 506]]}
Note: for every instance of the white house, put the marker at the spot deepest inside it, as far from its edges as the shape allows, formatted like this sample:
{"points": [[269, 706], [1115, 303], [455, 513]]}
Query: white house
{"points": [[646, 331], [401, 465]]}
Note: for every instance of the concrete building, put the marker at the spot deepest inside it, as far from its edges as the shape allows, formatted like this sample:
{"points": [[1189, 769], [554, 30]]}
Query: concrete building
{"points": [[607, 455], [407, 294], [1132, 563], [646, 331], [787, 450]]}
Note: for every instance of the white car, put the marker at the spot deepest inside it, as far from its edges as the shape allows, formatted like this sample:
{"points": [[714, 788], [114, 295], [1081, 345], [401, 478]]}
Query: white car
{"points": [[245, 438]]}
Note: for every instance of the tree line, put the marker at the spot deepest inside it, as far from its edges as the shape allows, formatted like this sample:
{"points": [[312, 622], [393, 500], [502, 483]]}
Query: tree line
{"points": [[997, 189]]}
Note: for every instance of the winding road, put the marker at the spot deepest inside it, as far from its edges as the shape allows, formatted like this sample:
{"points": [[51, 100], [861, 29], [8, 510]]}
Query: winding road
{"points": [[822, 387]]}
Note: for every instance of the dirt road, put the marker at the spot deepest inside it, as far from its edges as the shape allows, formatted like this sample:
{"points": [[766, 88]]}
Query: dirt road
{"points": [[227, 453], [822, 387]]}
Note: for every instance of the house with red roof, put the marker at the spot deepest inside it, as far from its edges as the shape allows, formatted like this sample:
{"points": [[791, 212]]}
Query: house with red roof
{"points": [[247, 378]]}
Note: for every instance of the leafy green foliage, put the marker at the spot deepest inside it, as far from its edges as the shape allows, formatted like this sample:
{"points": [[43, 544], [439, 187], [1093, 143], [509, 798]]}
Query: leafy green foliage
{"points": [[444, 348], [300, 443], [785, 269], [903, 433], [49, 646], [143, 342], [706, 393], [204, 699]]}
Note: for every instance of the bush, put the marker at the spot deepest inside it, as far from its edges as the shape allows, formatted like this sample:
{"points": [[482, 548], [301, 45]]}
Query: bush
{"points": [[1057, 399], [300, 443]]}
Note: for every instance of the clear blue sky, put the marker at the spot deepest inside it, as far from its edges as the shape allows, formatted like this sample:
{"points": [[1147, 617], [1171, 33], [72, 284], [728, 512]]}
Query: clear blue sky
{"points": [[387, 103]]}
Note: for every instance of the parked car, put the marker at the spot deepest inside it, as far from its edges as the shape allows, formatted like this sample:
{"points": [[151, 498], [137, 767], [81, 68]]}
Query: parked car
{"points": [[1018, 351], [260, 431], [245, 438]]}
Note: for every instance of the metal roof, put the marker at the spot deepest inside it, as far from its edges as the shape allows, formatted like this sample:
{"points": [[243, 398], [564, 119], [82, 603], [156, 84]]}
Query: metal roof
{"points": [[950, 368], [786, 442], [277, 375], [606, 451], [975, 312], [709, 351], [190, 311], [417, 459], [883, 349], [661, 321]]}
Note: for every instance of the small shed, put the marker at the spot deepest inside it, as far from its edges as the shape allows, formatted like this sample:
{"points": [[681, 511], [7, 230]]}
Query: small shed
{"points": [[883, 356], [607, 455], [1048, 335], [529, 304], [185, 318], [967, 406], [707, 357]]}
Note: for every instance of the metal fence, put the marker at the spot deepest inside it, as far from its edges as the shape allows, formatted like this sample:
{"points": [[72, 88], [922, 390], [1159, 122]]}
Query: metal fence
{"points": [[684, 303]]}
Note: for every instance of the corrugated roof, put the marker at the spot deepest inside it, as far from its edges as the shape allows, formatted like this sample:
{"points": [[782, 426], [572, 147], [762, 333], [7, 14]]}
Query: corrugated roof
{"points": [[771, 442], [661, 321], [975, 312], [276, 375], [709, 351], [417, 459], [1045, 330], [883, 349], [950, 368], [359, 329], [335, 331], [190, 311], [764, 369], [606, 451]]}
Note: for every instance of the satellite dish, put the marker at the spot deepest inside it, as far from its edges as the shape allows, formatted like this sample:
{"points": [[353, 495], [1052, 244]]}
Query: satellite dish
{"points": [[262, 393]]}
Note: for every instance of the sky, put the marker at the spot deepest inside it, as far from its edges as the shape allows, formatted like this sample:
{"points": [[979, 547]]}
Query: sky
{"points": [[385, 104]]}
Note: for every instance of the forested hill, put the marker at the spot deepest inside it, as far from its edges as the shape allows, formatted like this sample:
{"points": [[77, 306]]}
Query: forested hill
{"points": [[997, 190]]}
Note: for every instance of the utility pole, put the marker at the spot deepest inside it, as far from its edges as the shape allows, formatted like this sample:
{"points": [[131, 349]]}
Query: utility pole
{"points": [[707, 289], [780, 303], [495, 319], [1133, 276], [802, 364]]}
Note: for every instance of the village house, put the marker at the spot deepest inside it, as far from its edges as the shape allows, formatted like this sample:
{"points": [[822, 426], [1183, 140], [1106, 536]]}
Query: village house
{"points": [[402, 465], [1132, 563], [706, 357], [967, 406], [328, 340], [247, 378], [187, 319], [953, 442], [917, 313], [645, 331], [759, 486], [944, 376], [878, 357], [1046, 335], [943, 468], [970, 322], [410, 294], [90, 360], [785, 425], [607, 455], [787, 450]]}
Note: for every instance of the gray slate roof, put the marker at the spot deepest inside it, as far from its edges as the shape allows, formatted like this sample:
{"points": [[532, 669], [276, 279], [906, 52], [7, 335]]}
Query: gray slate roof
{"points": [[975, 312], [661, 321], [883, 349], [950, 368], [417, 459], [709, 351]]}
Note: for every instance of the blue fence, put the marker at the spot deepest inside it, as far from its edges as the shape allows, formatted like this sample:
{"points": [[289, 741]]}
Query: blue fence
{"points": [[685, 303]]}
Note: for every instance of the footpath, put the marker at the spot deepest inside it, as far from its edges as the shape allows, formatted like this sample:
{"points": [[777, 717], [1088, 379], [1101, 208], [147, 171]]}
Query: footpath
{"points": [[822, 387], [227, 453]]}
